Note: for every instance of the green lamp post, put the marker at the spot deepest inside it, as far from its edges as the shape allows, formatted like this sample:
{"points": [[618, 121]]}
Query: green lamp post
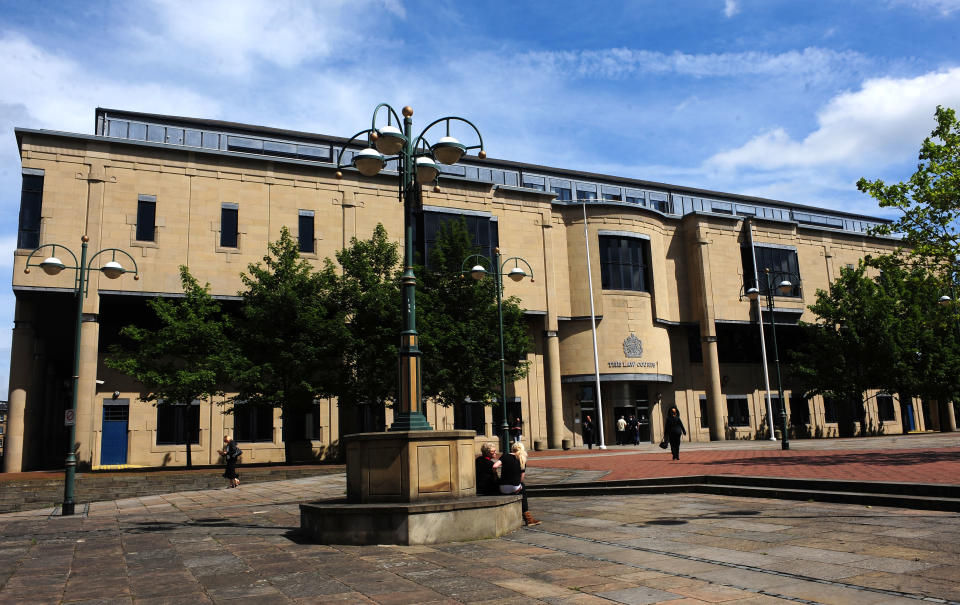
{"points": [[481, 268], [783, 287], [417, 166], [52, 265]]}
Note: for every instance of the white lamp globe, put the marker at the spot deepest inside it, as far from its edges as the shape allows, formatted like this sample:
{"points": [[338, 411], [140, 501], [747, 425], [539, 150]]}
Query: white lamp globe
{"points": [[369, 162], [449, 150]]}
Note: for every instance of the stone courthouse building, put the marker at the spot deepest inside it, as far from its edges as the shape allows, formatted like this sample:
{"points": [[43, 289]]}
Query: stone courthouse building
{"points": [[669, 267]]}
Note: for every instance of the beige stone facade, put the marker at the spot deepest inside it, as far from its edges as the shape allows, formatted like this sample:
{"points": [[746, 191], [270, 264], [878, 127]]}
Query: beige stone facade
{"points": [[692, 297]]}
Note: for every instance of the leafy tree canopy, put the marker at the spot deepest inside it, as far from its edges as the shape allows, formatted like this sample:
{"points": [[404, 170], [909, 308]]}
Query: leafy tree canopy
{"points": [[929, 201], [368, 289], [458, 326], [182, 359], [289, 331]]}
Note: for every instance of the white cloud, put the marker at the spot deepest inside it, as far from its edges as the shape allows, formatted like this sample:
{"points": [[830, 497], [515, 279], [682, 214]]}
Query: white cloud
{"points": [[944, 7], [626, 62], [56, 92], [730, 8], [877, 126], [233, 36]]}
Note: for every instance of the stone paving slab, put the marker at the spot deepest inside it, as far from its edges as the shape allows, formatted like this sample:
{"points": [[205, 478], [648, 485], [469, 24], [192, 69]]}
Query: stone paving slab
{"points": [[243, 545]]}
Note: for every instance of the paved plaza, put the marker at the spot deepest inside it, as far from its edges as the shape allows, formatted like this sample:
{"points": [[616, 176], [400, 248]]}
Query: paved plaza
{"points": [[242, 546]]}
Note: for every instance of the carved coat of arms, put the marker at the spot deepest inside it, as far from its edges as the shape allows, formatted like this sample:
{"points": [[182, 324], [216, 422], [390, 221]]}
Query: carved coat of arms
{"points": [[633, 346]]}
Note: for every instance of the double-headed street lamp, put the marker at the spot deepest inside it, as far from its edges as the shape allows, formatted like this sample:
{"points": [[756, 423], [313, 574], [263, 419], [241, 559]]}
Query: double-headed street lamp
{"points": [[783, 287], [480, 268], [417, 166], [52, 265]]}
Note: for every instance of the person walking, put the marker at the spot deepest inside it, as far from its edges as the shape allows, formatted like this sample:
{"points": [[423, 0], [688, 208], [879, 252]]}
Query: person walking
{"points": [[516, 430], [587, 430], [512, 473], [231, 454], [634, 430], [621, 431], [673, 431]]}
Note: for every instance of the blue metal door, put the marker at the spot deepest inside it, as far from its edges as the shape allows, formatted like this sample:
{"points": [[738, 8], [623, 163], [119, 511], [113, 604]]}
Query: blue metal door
{"points": [[113, 444]]}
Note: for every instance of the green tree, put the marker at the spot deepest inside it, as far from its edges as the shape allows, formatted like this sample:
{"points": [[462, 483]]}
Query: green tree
{"points": [[458, 326], [369, 292], [880, 332], [181, 358], [929, 202], [288, 337]]}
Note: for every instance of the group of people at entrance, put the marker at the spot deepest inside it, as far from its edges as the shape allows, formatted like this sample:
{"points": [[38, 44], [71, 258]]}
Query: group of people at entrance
{"points": [[628, 430], [511, 467]]}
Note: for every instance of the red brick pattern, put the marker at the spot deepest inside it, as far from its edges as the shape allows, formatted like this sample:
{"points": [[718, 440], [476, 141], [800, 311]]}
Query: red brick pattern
{"points": [[901, 465]]}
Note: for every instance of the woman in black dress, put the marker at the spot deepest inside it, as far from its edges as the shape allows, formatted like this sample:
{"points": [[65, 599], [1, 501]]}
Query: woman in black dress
{"points": [[673, 431], [231, 454]]}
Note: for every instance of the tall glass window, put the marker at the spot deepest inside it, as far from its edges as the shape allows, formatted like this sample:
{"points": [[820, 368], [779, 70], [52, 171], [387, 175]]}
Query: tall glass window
{"points": [[305, 235], [178, 423], [782, 261], [31, 201], [146, 218], [483, 231], [253, 423], [624, 263], [229, 232]]}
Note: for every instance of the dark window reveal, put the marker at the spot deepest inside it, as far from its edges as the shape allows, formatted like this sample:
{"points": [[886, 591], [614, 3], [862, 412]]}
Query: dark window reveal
{"points": [[799, 411], [483, 231], [782, 262], [228, 225], [885, 407], [738, 411], [31, 200], [253, 423], [178, 423], [305, 234], [704, 416], [624, 263], [146, 218]]}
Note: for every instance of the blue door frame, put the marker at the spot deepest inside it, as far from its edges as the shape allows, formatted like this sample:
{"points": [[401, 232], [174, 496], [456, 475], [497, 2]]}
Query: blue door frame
{"points": [[113, 442]]}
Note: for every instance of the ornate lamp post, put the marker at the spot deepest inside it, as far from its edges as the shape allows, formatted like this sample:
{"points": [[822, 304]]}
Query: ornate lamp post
{"points": [[478, 271], [417, 166], [783, 286], [52, 265]]}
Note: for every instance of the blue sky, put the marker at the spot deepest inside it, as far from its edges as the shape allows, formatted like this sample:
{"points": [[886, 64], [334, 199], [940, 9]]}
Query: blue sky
{"points": [[793, 100]]}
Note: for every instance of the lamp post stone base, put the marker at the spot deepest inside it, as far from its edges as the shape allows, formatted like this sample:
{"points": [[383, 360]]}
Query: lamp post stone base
{"points": [[410, 487]]}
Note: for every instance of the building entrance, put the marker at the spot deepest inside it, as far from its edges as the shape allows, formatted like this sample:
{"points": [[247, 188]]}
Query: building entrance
{"points": [[113, 442]]}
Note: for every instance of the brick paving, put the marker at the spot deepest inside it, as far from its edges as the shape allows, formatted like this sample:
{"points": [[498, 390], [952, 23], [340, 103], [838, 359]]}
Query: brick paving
{"points": [[242, 545], [933, 458]]}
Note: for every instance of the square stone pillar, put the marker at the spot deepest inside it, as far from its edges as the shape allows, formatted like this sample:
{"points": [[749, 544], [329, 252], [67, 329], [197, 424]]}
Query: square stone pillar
{"points": [[410, 466]]}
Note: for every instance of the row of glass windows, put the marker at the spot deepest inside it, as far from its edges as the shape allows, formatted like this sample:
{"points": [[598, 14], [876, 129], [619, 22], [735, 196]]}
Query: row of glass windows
{"points": [[798, 410], [565, 189], [146, 228]]}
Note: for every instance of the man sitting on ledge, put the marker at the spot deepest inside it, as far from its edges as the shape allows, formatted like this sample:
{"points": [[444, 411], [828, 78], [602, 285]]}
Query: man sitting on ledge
{"points": [[487, 465]]}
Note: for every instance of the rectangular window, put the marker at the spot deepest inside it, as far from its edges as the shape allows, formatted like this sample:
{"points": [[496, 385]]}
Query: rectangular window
{"points": [[534, 182], [156, 134], [305, 231], [229, 233], [483, 230], [624, 263], [738, 412], [146, 218], [799, 411], [253, 423], [586, 191], [31, 201], [178, 423], [117, 128], [829, 410], [471, 417], [611, 194], [704, 416], [885, 407], [659, 201], [300, 426], [782, 263], [562, 189], [192, 138]]}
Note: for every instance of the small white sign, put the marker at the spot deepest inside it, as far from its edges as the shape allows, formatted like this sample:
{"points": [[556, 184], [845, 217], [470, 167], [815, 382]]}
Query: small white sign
{"points": [[69, 417]]}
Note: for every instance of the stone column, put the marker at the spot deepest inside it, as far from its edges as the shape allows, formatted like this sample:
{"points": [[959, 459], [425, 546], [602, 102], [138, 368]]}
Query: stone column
{"points": [[88, 418], [716, 404], [551, 340], [21, 370]]}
